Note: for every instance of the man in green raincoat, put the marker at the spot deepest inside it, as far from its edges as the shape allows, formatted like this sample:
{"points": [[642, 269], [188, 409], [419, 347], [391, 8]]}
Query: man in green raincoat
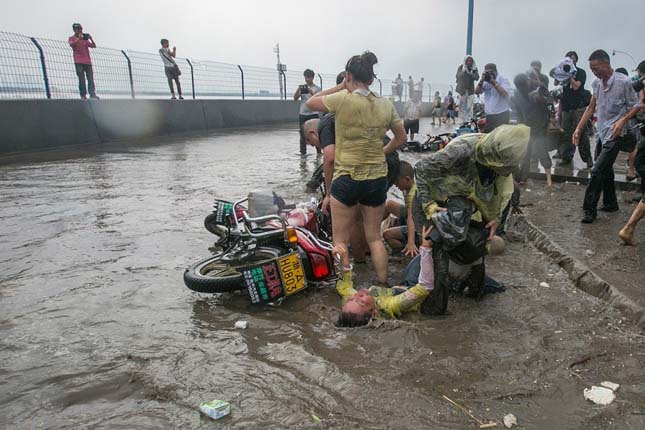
{"points": [[462, 191]]}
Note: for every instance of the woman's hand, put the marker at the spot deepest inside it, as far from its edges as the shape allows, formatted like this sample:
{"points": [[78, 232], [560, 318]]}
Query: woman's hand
{"points": [[340, 252]]}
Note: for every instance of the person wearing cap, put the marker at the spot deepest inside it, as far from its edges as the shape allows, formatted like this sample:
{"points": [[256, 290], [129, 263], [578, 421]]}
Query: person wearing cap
{"points": [[573, 103], [616, 103], [303, 93], [81, 44], [497, 97]]}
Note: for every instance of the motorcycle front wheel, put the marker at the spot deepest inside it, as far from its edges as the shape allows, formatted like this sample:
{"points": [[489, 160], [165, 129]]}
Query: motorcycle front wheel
{"points": [[221, 274]]}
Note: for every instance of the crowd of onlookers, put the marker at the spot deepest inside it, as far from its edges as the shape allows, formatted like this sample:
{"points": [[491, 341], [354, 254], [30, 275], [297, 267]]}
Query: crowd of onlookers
{"points": [[458, 199]]}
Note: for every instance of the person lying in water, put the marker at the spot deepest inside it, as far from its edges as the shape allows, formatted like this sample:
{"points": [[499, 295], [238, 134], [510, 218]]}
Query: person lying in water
{"points": [[359, 307]]}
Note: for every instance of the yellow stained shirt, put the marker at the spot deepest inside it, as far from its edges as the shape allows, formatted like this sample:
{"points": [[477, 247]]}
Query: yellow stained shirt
{"points": [[362, 118], [386, 303]]}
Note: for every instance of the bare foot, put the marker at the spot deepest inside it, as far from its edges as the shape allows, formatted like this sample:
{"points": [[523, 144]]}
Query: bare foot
{"points": [[627, 235]]}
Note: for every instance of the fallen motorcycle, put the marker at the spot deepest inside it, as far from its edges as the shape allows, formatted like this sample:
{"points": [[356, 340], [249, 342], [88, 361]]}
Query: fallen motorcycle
{"points": [[270, 255]]}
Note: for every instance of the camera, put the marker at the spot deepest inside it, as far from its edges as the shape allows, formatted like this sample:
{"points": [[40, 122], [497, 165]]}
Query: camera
{"points": [[304, 89], [638, 84], [566, 68], [86, 36], [488, 76]]}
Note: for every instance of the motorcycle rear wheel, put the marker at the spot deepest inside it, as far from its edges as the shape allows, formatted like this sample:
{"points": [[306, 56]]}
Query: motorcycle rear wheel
{"points": [[220, 275]]}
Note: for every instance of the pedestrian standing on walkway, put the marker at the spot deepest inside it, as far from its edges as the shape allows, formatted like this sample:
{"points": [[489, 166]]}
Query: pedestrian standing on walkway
{"points": [[436, 108], [497, 99], [573, 102], [303, 93], [170, 67], [411, 115], [449, 103], [410, 87], [81, 44], [616, 103], [419, 90], [467, 75], [398, 84], [532, 110], [360, 169]]}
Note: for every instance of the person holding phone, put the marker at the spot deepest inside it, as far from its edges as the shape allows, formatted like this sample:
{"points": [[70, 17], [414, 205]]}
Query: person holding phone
{"points": [[171, 68], [304, 93], [81, 44]]}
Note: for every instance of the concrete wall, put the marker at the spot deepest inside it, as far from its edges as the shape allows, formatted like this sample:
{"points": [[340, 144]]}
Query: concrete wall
{"points": [[45, 124]]}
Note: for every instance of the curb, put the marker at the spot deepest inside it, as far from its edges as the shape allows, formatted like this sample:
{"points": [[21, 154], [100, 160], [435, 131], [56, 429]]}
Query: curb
{"points": [[581, 275]]}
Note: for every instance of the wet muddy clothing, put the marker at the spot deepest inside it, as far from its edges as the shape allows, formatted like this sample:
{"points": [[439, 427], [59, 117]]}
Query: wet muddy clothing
{"points": [[362, 118], [388, 304], [453, 171], [327, 130]]}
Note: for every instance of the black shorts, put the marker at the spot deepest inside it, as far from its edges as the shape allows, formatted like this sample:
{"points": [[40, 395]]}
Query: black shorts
{"points": [[371, 192], [411, 125], [171, 72]]}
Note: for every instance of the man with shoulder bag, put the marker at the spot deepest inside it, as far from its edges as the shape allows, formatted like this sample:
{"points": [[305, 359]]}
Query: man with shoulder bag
{"points": [[170, 66]]}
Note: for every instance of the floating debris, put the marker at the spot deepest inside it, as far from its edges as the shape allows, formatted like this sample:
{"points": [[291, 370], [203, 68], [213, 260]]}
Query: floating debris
{"points": [[510, 421], [599, 395], [242, 325]]}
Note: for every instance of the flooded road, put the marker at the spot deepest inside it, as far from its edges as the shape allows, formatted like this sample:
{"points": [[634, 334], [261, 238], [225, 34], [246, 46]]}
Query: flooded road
{"points": [[98, 331]]}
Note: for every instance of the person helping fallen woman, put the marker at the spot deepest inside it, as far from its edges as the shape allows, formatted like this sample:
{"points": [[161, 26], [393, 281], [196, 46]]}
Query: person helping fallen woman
{"points": [[359, 307]]}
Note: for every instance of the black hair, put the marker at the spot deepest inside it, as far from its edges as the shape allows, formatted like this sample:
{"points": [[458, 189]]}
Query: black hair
{"points": [[164, 41], [600, 55], [76, 25], [405, 169], [521, 82], [622, 70], [340, 77], [308, 73], [641, 67], [348, 319], [362, 67], [574, 53]]}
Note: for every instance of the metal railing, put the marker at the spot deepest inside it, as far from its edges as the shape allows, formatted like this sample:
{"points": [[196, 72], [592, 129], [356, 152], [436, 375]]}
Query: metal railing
{"points": [[37, 68]]}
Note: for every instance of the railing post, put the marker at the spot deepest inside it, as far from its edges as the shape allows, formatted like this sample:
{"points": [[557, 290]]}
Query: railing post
{"points": [[44, 68], [320, 77], [242, 73], [284, 80], [129, 72], [192, 76], [429, 93], [380, 87]]}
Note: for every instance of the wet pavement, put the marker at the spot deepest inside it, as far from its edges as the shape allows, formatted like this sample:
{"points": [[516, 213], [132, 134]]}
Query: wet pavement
{"points": [[558, 213], [98, 331]]}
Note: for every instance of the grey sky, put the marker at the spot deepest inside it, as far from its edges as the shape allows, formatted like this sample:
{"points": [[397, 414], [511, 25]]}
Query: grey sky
{"points": [[418, 37]]}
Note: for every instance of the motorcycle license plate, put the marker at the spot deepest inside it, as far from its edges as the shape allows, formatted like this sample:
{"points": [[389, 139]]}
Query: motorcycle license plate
{"points": [[274, 279], [292, 273]]}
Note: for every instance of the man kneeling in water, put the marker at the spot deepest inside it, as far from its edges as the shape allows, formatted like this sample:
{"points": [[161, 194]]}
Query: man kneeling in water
{"points": [[359, 307]]}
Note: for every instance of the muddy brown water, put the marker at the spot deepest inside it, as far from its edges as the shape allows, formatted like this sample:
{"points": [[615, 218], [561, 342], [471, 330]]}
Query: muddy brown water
{"points": [[98, 331]]}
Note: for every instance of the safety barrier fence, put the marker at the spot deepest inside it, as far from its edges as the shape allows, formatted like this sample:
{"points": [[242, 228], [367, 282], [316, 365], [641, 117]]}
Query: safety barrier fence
{"points": [[37, 68]]}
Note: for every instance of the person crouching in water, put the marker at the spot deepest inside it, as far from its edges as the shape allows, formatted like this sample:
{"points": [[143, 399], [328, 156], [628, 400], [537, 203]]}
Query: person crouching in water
{"points": [[462, 191], [359, 307]]}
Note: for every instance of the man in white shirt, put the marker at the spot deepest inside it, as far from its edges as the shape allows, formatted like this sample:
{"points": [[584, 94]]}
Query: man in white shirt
{"points": [[497, 97], [304, 93], [411, 114]]}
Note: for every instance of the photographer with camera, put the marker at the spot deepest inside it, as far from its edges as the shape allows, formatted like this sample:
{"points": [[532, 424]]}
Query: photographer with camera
{"points": [[81, 44], [573, 102], [467, 75], [303, 93], [497, 99]]}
